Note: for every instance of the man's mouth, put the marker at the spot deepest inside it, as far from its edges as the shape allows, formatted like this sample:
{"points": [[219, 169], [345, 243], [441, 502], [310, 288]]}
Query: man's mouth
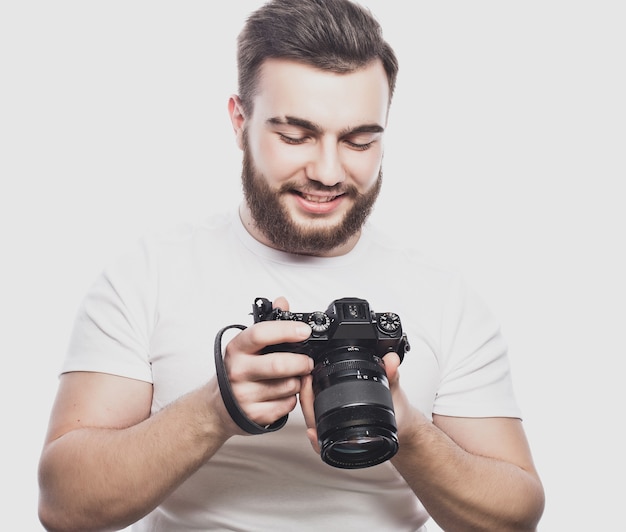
{"points": [[317, 199], [319, 203]]}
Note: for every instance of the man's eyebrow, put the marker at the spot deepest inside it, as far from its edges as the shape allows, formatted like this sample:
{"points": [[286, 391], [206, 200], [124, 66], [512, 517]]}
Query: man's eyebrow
{"points": [[365, 128], [316, 128], [295, 121]]}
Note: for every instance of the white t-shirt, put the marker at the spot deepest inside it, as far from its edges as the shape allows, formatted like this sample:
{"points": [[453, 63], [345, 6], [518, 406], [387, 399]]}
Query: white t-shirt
{"points": [[153, 316]]}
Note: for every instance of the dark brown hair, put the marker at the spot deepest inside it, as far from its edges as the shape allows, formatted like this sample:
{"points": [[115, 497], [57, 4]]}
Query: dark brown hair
{"points": [[336, 35]]}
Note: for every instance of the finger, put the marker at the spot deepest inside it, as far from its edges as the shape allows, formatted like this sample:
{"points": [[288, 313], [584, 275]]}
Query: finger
{"points": [[245, 367], [281, 303], [265, 402], [263, 413], [392, 362], [268, 412], [267, 390], [258, 336], [311, 434], [306, 400]]}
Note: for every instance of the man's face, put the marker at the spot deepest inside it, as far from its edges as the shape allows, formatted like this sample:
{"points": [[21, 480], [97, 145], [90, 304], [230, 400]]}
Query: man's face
{"points": [[312, 155]]}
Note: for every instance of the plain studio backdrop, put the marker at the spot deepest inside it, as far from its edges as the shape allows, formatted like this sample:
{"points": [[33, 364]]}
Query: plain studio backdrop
{"points": [[504, 158]]}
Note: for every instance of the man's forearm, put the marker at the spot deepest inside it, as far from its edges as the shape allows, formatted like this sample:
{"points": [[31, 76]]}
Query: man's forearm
{"points": [[463, 491], [99, 479]]}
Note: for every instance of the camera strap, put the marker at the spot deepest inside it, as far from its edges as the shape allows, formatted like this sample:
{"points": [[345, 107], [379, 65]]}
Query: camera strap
{"points": [[235, 411]]}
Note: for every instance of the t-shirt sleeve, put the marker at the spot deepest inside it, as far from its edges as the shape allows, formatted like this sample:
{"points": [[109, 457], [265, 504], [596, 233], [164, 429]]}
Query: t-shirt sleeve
{"points": [[475, 375], [113, 325]]}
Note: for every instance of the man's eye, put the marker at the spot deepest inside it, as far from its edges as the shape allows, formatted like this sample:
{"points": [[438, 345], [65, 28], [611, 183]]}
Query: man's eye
{"points": [[292, 140], [360, 146]]}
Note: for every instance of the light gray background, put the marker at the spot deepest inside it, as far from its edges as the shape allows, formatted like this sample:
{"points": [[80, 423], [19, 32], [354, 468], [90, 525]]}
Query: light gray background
{"points": [[505, 159]]}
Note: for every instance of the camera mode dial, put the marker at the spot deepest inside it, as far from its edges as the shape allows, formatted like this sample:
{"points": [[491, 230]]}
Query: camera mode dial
{"points": [[319, 322], [388, 322]]}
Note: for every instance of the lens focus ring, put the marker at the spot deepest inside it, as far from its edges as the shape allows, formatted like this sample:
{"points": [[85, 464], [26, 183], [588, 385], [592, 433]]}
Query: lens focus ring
{"points": [[353, 367]]}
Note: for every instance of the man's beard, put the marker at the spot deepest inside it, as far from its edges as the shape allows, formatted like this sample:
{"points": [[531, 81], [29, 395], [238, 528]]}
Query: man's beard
{"points": [[273, 219]]}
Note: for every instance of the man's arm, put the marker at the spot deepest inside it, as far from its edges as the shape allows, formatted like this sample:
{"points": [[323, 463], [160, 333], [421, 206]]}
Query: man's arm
{"points": [[470, 473], [481, 478], [106, 462]]}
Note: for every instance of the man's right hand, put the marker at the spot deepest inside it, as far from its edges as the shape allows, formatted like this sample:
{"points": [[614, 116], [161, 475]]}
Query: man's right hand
{"points": [[266, 386]]}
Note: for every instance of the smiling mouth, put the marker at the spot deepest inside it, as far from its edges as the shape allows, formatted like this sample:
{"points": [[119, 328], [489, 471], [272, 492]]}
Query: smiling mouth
{"points": [[317, 199]]}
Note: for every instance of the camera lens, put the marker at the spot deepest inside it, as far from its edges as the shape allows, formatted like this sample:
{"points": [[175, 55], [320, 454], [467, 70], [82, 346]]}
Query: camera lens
{"points": [[353, 409]]}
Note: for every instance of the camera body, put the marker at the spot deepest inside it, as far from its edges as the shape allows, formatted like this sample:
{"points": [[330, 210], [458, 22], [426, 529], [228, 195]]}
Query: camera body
{"points": [[354, 412], [347, 321]]}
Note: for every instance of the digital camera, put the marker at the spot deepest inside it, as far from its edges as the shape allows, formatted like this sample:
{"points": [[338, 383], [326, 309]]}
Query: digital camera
{"points": [[354, 413]]}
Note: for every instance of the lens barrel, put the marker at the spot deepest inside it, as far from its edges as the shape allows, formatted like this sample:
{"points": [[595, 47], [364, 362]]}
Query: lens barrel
{"points": [[354, 413]]}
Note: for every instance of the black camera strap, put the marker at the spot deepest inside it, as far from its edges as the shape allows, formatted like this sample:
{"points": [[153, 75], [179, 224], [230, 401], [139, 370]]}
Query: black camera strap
{"points": [[235, 411]]}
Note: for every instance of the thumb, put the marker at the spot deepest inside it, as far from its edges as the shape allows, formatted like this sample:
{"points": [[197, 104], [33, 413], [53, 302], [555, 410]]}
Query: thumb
{"points": [[392, 362]]}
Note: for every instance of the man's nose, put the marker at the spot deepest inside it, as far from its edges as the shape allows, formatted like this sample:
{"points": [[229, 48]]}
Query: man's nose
{"points": [[326, 165]]}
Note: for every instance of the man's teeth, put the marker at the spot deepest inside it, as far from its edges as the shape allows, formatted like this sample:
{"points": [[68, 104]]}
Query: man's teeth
{"points": [[318, 199]]}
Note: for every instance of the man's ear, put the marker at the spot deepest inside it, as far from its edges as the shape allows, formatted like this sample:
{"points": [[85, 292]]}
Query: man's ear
{"points": [[237, 118]]}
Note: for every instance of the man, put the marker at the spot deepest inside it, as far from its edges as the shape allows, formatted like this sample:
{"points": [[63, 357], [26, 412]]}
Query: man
{"points": [[140, 431]]}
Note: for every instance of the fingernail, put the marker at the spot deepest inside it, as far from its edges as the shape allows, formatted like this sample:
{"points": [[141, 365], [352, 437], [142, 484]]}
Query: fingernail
{"points": [[303, 330]]}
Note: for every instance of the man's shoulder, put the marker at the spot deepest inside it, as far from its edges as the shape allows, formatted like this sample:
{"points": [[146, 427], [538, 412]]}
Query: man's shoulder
{"points": [[185, 232], [170, 244]]}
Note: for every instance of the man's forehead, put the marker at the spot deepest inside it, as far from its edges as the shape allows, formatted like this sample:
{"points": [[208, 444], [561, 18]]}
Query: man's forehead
{"points": [[289, 91]]}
